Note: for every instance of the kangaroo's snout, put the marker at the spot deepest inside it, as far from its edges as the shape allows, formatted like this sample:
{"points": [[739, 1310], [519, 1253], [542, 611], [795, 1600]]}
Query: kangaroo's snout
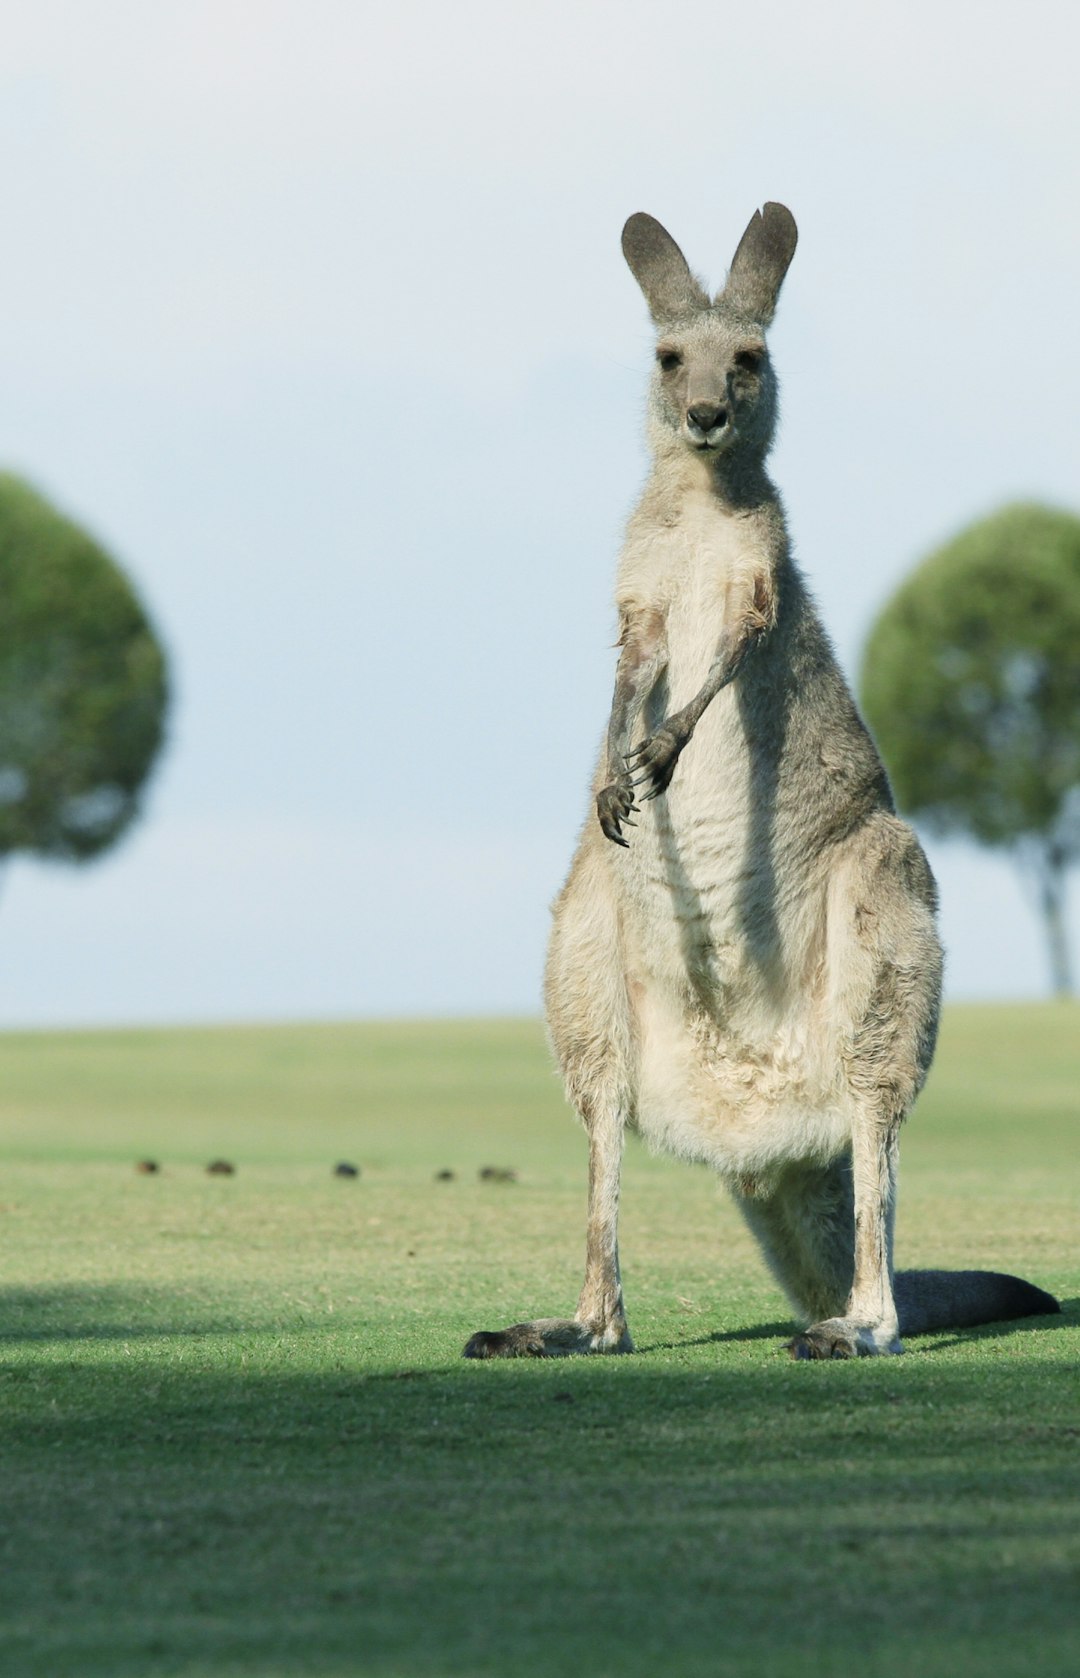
{"points": [[705, 422]]}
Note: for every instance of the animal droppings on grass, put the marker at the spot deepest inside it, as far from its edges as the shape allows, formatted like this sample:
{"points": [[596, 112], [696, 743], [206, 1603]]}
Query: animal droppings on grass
{"points": [[147, 1167], [497, 1174], [221, 1168], [445, 1176], [344, 1169]]}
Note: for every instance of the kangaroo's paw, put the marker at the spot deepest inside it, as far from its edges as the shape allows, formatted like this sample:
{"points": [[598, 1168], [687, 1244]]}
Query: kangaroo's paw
{"points": [[653, 762], [550, 1337], [614, 806], [840, 1337]]}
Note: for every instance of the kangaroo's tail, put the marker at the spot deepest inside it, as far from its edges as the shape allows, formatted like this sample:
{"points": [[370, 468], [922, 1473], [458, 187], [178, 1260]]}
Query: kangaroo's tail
{"points": [[934, 1299]]}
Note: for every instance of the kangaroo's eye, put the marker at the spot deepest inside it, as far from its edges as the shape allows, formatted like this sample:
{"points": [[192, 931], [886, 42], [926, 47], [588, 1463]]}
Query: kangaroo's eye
{"points": [[749, 361], [669, 360]]}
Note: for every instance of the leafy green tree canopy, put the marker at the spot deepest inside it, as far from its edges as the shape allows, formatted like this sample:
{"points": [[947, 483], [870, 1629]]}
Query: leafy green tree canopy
{"points": [[971, 683], [83, 689]]}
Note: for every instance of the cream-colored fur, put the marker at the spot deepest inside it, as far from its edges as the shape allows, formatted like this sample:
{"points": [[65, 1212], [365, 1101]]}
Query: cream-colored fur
{"points": [[743, 966]]}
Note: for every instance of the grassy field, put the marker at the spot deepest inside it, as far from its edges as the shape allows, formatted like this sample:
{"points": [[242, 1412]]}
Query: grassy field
{"points": [[238, 1438]]}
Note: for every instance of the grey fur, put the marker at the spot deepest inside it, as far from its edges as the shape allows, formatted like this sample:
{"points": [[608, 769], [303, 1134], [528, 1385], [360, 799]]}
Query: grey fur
{"points": [[760, 263], [752, 980], [661, 270]]}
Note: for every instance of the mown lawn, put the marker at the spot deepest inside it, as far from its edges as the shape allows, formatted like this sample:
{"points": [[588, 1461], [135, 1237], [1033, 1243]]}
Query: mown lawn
{"points": [[238, 1438]]}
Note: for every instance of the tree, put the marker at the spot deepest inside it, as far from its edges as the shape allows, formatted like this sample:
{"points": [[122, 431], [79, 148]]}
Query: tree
{"points": [[83, 689], [971, 683]]}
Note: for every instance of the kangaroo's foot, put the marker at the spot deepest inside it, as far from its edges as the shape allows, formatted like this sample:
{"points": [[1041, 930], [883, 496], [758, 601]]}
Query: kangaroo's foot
{"points": [[549, 1337], [842, 1337]]}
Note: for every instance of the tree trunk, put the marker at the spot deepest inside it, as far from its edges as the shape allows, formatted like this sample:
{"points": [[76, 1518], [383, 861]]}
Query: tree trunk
{"points": [[1052, 904]]}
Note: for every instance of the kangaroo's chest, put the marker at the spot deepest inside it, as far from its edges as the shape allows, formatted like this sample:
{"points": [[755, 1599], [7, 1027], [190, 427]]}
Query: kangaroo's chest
{"points": [[701, 569], [698, 872]]}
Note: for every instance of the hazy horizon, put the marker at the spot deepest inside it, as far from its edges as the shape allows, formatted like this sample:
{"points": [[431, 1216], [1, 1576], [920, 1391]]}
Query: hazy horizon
{"points": [[317, 318]]}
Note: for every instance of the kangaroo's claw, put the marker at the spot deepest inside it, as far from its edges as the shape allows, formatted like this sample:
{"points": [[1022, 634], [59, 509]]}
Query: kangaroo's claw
{"points": [[652, 764], [613, 806]]}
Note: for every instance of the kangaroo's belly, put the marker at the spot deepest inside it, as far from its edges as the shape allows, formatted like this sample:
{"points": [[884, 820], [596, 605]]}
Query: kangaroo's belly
{"points": [[744, 1096], [726, 932]]}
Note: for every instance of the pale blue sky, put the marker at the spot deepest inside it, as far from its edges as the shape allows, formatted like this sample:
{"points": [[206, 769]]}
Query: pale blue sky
{"points": [[316, 314]]}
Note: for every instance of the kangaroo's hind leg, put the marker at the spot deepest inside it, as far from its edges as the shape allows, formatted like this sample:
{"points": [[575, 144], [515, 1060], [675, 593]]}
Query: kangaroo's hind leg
{"points": [[827, 1233], [827, 1228], [886, 984], [804, 1220], [827, 1237], [589, 1019]]}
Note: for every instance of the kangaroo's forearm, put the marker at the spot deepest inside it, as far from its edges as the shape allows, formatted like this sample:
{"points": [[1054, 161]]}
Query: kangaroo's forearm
{"points": [[731, 654], [643, 656], [747, 621], [750, 611], [632, 684], [641, 661]]}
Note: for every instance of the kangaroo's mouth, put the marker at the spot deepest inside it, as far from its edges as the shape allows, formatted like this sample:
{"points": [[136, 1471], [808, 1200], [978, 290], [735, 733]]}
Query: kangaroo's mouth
{"points": [[708, 424], [708, 442]]}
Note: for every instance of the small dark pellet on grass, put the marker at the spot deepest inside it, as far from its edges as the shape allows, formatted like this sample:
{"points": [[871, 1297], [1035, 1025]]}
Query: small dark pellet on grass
{"points": [[497, 1174], [445, 1176], [220, 1168], [147, 1167], [344, 1169]]}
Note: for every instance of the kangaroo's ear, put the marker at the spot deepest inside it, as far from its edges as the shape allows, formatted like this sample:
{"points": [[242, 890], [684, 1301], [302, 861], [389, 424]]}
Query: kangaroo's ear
{"points": [[760, 263], [660, 269]]}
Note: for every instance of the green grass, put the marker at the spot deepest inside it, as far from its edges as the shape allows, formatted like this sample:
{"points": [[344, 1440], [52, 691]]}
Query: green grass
{"points": [[237, 1437]]}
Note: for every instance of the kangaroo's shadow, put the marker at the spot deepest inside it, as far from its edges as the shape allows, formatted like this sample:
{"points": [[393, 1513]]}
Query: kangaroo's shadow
{"points": [[925, 1343]]}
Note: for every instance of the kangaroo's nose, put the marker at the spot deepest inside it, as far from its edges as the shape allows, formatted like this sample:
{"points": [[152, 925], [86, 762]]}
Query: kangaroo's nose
{"points": [[704, 417]]}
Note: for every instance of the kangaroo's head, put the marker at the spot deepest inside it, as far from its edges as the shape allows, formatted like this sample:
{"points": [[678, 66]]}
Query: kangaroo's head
{"points": [[713, 390]]}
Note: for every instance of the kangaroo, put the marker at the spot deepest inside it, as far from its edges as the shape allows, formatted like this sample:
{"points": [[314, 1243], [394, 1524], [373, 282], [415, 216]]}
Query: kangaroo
{"points": [[753, 981]]}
